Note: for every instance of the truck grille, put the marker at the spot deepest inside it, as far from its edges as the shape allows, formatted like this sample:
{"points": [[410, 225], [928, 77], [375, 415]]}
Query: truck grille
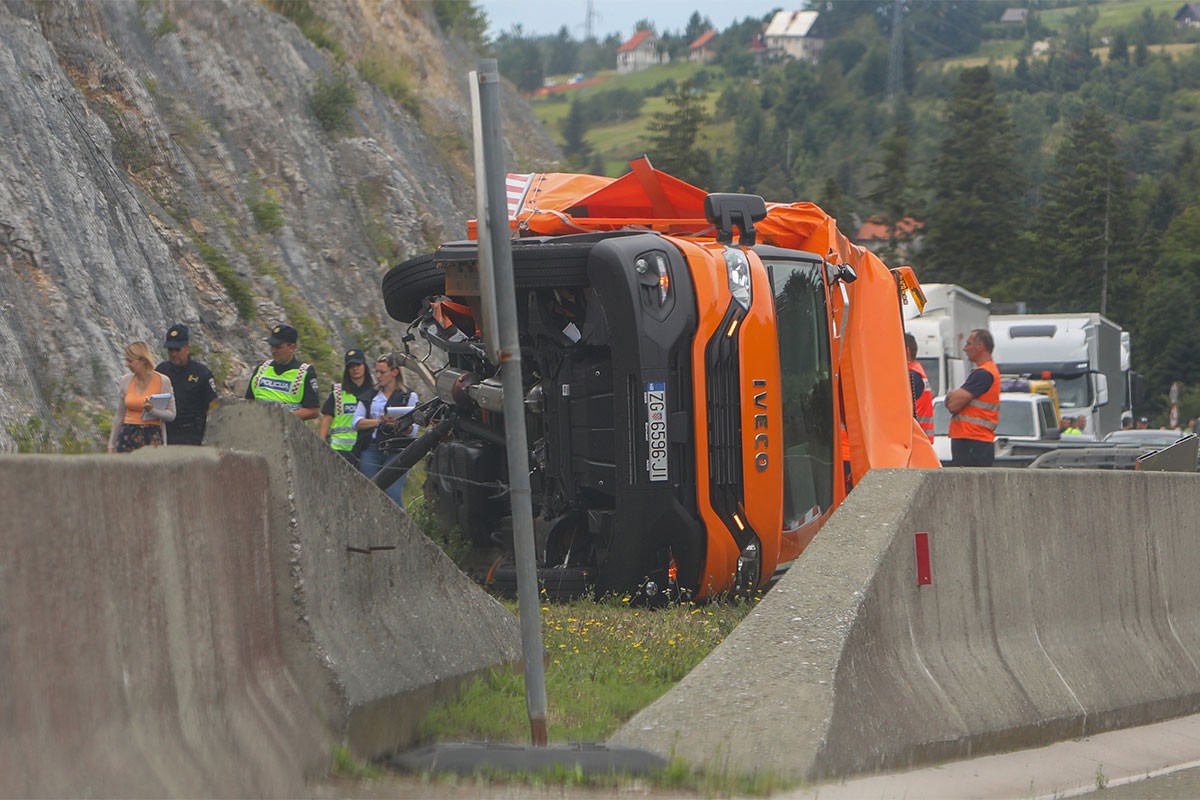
{"points": [[724, 407]]}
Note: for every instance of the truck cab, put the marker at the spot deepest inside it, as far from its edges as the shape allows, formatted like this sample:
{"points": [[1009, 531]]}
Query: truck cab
{"points": [[941, 329], [1081, 353], [694, 368]]}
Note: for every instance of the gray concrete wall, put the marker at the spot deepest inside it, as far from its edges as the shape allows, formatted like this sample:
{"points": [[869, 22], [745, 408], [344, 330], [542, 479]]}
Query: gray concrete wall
{"points": [[189, 621], [1063, 603], [139, 635], [373, 639]]}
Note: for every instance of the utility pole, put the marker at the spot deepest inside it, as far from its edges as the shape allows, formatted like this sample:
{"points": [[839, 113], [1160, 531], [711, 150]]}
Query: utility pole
{"points": [[588, 33], [500, 327]]}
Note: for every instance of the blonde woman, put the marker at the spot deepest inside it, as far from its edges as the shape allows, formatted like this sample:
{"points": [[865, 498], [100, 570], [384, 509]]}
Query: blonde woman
{"points": [[139, 421]]}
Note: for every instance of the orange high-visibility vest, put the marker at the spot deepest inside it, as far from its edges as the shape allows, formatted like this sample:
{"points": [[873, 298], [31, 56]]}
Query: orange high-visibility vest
{"points": [[924, 403], [978, 419]]}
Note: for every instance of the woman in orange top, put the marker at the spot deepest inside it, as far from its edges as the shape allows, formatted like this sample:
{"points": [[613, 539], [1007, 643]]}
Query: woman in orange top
{"points": [[138, 422]]}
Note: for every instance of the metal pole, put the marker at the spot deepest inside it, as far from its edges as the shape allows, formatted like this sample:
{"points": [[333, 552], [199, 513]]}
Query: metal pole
{"points": [[496, 262]]}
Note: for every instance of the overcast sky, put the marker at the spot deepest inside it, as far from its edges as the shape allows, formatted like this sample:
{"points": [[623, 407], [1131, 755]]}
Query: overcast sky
{"points": [[615, 16]]}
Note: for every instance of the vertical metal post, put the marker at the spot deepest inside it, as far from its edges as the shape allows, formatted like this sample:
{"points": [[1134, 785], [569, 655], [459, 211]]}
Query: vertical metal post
{"points": [[499, 296]]}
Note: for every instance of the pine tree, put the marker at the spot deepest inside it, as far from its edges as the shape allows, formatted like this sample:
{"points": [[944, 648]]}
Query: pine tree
{"points": [[574, 126], [673, 141], [1083, 237], [975, 217]]}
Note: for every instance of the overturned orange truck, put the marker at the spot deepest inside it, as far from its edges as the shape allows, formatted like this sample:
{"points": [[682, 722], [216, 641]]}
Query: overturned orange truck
{"points": [[704, 376]]}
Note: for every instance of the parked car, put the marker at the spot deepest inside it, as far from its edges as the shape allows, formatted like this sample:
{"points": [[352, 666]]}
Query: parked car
{"points": [[1146, 437], [1024, 416]]}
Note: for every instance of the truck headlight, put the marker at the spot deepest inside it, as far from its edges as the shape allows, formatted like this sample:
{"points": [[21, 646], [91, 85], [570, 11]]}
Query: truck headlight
{"points": [[652, 272], [749, 569], [737, 268]]}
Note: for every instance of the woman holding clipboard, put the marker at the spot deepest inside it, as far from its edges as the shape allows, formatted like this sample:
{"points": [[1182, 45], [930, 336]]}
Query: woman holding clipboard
{"points": [[392, 400], [145, 401]]}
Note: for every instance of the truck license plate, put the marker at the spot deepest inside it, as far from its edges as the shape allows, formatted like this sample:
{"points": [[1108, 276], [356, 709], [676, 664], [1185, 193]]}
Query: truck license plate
{"points": [[656, 430]]}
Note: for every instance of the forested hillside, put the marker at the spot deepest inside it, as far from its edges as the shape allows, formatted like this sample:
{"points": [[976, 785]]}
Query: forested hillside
{"points": [[1050, 162]]}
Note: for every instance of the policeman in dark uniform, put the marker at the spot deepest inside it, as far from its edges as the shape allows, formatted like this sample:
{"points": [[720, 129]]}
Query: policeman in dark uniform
{"points": [[284, 379], [195, 390]]}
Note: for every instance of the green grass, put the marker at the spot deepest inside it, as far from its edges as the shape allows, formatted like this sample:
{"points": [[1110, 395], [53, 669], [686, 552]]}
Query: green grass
{"points": [[607, 661], [1111, 15], [618, 142]]}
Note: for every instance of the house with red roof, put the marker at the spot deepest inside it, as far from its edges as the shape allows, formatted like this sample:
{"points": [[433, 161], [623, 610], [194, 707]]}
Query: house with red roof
{"points": [[703, 50], [640, 52], [875, 234]]}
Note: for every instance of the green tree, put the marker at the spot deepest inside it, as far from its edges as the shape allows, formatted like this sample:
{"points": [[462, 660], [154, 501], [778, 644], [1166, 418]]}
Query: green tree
{"points": [[696, 25], [574, 128], [673, 140], [564, 53], [975, 215], [1083, 236]]}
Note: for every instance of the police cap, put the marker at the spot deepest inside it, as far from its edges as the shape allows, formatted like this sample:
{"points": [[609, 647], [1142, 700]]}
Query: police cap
{"points": [[282, 334], [355, 356], [177, 337]]}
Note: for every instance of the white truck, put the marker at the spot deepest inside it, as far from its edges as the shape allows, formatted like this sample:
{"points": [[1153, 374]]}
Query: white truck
{"points": [[951, 313], [1081, 353]]}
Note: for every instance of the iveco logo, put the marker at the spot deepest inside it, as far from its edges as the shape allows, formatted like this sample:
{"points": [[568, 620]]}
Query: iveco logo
{"points": [[760, 426]]}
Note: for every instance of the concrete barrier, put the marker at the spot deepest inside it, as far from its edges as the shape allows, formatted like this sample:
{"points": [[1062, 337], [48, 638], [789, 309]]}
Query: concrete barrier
{"points": [[139, 636], [1062, 604], [201, 622], [379, 622]]}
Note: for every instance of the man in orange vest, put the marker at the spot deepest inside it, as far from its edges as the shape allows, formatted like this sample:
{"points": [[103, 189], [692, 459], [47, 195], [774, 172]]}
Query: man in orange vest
{"points": [[922, 394], [975, 406]]}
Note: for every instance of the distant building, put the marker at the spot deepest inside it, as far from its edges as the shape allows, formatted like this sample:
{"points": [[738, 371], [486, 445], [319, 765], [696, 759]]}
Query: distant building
{"points": [[703, 50], [758, 50], [1189, 14], [1014, 16], [874, 234], [640, 52], [791, 34]]}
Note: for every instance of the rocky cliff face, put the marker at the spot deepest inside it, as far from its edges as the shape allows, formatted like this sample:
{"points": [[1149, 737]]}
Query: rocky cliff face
{"points": [[208, 163]]}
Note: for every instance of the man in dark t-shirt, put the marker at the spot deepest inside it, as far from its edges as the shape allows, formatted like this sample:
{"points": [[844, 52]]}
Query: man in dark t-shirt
{"points": [[195, 390]]}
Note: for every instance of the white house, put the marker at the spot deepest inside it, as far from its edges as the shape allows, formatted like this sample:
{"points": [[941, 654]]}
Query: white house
{"points": [[790, 33], [640, 52]]}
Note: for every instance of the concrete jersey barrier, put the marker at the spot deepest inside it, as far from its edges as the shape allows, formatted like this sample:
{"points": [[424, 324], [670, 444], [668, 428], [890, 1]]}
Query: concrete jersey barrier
{"points": [[1062, 604], [379, 623], [140, 642], [188, 621]]}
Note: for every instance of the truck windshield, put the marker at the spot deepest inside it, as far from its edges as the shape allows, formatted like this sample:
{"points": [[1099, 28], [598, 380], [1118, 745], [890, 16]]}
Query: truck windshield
{"points": [[1074, 392], [804, 361], [1016, 419]]}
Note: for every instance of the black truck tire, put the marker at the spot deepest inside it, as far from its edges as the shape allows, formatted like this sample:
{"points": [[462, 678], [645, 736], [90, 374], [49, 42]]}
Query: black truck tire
{"points": [[559, 583], [535, 266]]}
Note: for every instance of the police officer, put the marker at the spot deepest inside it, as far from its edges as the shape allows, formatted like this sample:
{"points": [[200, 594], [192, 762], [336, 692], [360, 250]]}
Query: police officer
{"points": [[337, 415], [975, 406], [284, 379], [195, 390]]}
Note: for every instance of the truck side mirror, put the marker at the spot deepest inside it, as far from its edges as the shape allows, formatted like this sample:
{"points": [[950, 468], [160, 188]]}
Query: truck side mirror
{"points": [[1101, 389]]}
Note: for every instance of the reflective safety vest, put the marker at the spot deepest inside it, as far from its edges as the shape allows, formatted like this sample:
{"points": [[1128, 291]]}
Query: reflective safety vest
{"points": [[342, 435], [286, 388], [978, 418], [924, 403]]}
